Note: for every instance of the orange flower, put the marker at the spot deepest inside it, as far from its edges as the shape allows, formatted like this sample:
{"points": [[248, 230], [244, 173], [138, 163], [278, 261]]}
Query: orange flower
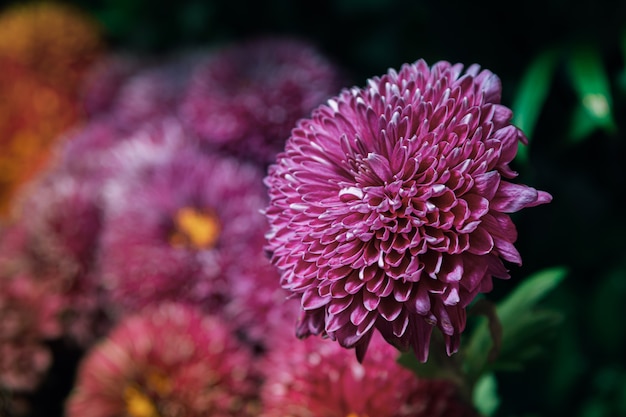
{"points": [[45, 50]]}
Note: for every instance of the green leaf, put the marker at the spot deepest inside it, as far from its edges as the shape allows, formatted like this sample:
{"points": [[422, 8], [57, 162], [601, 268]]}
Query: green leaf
{"points": [[524, 327], [528, 293], [590, 80], [485, 396], [531, 95]]}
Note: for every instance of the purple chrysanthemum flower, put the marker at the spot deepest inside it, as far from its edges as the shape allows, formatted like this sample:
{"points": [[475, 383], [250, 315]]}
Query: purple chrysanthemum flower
{"points": [[178, 222], [169, 360], [262, 311], [389, 207], [317, 377], [155, 91], [246, 97]]}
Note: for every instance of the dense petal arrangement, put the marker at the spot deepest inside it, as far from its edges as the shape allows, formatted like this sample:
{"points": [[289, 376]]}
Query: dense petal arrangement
{"points": [[178, 223], [389, 207], [245, 98], [262, 311], [168, 361], [317, 377]]}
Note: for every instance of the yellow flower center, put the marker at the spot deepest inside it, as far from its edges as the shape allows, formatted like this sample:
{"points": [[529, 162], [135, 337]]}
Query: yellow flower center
{"points": [[138, 404], [195, 228], [139, 397]]}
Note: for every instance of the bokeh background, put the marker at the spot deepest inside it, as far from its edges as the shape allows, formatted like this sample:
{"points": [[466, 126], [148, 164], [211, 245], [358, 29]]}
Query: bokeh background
{"points": [[563, 70]]}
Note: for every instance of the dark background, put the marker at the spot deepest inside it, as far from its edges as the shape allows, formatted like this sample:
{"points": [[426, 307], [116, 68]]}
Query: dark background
{"points": [[582, 372]]}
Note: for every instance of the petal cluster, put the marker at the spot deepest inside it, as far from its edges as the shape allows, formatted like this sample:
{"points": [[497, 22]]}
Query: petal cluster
{"points": [[198, 369], [390, 206], [178, 223], [246, 97], [317, 377]]}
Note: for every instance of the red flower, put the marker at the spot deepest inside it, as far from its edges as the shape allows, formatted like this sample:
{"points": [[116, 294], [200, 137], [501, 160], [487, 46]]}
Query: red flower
{"points": [[168, 361]]}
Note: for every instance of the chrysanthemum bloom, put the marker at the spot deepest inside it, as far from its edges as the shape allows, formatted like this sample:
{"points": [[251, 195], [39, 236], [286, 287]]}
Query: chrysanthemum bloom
{"points": [[246, 97], [317, 377], [62, 217], [32, 117], [45, 50], [389, 207], [178, 223], [260, 309], [57, 41], [154, 91], [168, 361]]}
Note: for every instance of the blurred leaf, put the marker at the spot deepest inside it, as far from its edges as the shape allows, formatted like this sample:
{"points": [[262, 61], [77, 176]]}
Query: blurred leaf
{"points": [[524, 327], [591, 82], [528, 293], [582, 124], [485, 396], [531, 95]]}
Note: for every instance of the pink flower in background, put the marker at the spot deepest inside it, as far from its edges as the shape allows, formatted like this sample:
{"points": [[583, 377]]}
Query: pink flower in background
{"points": [[167, 361], [105, 78], [390, 206], [179, 224], [245, 98], [62, 218], [30, 308], [155, 91], [263, 312], [317, 377]]}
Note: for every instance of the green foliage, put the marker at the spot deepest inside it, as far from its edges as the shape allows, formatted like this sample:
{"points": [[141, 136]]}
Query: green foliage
{"points": [[518, 328], [524, 328], [591, 82], [485, 396], [532, 92]]}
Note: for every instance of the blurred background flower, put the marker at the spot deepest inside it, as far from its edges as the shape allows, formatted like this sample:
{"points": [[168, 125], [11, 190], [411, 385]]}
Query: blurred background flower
{"points": [[45, 50], [198, 369], [317, 377]]}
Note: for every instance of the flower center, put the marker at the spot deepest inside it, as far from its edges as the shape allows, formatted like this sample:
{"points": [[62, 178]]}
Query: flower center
{"points": [[194, 228], [138, 404]]}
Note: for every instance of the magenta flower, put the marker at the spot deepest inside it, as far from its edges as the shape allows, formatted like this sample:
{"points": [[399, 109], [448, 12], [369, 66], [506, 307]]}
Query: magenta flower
{"points": [[178, 223], [61, 216], [246, 97], [389, 207], [317, 377], [167, 361], [262, 311]]}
